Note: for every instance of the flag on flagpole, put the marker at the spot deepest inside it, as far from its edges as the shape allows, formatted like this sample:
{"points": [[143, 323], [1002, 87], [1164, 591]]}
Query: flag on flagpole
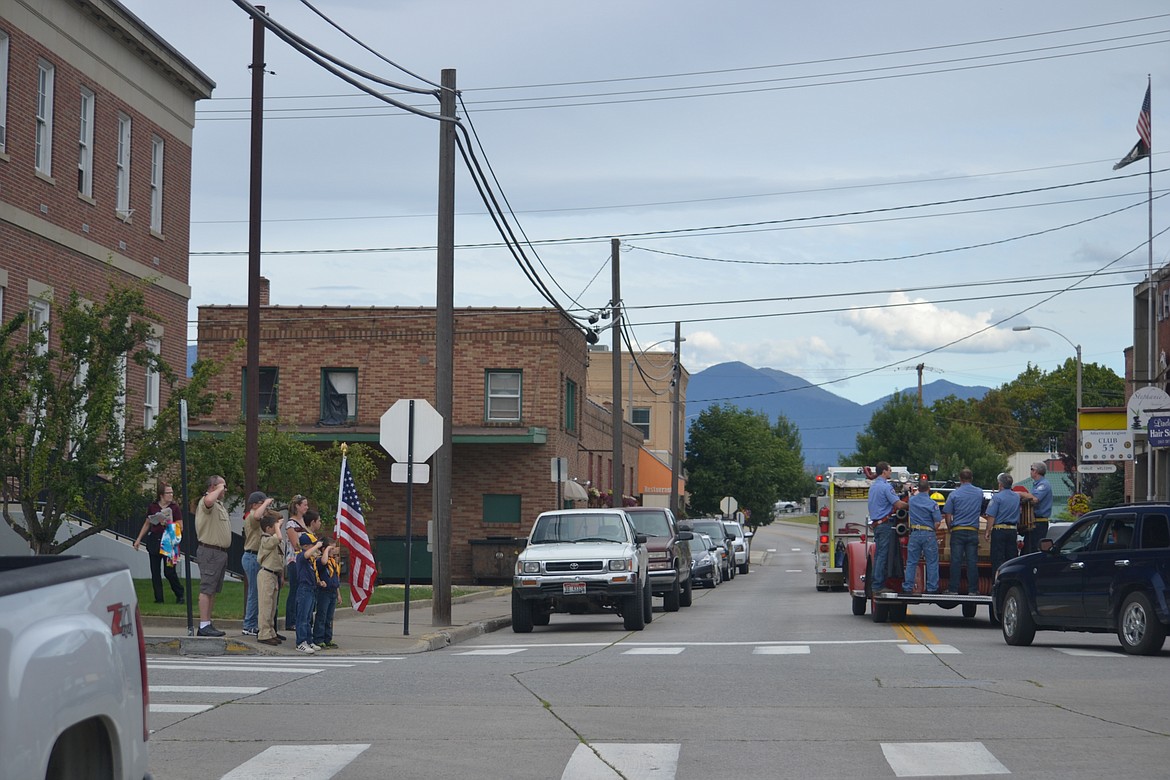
{"points": [[1141, 149], [351, 531]]}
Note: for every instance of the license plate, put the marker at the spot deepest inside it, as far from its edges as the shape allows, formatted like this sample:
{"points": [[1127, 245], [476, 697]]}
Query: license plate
{"points": [[573, 588]]}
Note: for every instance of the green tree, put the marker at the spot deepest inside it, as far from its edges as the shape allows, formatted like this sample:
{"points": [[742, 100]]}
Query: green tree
{"points": [[65, 428], [736, 452]]}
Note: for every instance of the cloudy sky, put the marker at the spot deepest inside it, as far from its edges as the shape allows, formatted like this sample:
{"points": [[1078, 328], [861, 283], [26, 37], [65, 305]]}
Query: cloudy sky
{"points": [[837, 190]]}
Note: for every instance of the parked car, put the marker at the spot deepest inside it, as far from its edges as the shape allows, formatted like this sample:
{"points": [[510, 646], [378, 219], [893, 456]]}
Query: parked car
{"points": [[670, 559], [787, 507], [582, 560], [1110, 572], [713, 527], [705, 561], [741, 545]]}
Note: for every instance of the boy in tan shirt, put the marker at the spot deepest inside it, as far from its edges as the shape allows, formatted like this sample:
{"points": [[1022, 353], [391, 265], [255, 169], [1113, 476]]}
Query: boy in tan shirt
{"points": [[271, 560]]}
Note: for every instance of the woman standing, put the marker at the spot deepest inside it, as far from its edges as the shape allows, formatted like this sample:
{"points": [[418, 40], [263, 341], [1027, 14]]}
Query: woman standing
{"points": [[293, 528], [162, 512]]}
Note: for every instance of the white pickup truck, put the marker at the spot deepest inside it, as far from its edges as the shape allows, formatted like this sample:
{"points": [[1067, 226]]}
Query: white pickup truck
{"points": [[582, 560], [73, 690]]}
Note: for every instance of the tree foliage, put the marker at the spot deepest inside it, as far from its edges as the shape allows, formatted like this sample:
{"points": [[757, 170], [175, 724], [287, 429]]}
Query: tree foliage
{"points": [[66, 430], [739, 453], [904, 435]]}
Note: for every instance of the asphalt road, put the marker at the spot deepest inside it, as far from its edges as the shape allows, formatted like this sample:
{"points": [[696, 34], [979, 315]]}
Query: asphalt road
{"points": [[760, 678]]}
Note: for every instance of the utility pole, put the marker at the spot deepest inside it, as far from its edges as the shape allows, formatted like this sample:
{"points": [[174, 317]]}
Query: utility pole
{"points": [[675, 434], [444, 355], [618, 420], [919, 368], [256, 171]]}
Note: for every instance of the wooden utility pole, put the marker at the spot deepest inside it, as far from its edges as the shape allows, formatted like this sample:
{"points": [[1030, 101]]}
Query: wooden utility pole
{"points": [[675, 433], [444, 355], [256, 171], [616, 322]]}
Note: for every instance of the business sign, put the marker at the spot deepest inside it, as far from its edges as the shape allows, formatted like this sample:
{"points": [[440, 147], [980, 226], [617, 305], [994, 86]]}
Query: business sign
{"points": [[1159, 431], [1106, 446], [1146, 402]]}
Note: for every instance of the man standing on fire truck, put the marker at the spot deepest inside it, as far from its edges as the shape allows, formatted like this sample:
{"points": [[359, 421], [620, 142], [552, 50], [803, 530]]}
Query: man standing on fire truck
{"points": [[961, 512], [924, 519], [883, 503]]}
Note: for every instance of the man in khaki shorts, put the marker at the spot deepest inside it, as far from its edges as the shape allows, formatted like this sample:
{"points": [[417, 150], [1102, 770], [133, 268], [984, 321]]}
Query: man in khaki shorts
{"points": [[213, 527]]}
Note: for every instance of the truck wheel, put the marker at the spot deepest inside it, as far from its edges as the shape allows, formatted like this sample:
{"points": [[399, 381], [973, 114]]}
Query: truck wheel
{"points": [[1018, 627], [859, 605], [743, 569], [881, 612], [671, 600], [1138, 626], [688, 593], [898, 613], [648, 603], [633, 612], [969, 610], [82, 752], [521, 614], [540, 617]]}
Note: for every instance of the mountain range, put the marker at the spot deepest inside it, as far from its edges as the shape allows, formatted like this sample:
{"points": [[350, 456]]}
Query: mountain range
{"points": [[828, 423]]}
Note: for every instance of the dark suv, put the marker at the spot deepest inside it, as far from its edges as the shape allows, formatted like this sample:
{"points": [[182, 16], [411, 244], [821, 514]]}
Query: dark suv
{"points": [[1109, 572], [670, 555]]}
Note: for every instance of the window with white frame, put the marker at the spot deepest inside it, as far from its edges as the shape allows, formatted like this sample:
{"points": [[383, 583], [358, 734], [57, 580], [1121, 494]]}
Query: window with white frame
{"points": [[85, 145], [43, 151], [156, 183], [120, 400], [338, 395], [503, 396], [122, 168], [38, 323], [150, 402], [3, 91], [640, 419]]}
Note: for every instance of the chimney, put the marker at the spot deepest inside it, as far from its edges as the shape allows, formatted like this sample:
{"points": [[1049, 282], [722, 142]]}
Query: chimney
{"points": [[263, 291]]}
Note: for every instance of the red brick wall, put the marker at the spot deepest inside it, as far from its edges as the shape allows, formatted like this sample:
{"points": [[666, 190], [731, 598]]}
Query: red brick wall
{"points": [[393, 350]]}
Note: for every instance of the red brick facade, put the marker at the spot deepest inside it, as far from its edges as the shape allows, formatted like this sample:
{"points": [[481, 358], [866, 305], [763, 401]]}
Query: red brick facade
{"points": [[392, 350], [53, 238]]}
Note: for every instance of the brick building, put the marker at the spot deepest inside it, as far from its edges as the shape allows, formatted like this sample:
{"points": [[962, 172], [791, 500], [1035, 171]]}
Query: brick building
{"points": [[329, 373], [96, 120]]}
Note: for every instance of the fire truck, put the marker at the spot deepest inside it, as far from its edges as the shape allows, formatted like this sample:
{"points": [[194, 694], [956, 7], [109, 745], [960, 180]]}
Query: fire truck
{"points": [[860, 555], [843, 496]]}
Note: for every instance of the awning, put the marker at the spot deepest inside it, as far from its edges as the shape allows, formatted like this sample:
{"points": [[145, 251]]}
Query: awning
{"points": [[573, 491]]}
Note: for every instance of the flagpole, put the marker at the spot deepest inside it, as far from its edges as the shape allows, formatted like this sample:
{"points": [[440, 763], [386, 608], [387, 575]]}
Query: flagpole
{"points": [[1151, 470]]}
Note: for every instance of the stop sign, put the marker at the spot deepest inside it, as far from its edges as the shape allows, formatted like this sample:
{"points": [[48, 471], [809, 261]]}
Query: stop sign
{"points": [[394, 435]]}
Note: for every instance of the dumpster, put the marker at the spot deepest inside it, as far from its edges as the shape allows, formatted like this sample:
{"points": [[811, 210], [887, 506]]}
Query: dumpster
{"points": [[493, 559], [390, 554]]}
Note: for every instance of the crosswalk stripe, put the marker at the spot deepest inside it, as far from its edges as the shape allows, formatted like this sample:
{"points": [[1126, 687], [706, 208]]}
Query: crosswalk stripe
{"points": [[930, 650], [654, 651], [782, 650], [1089, 653], [181, 708], [241, 690], [598, 761], [494, 651], [239, 668], [941, 759], [310, 762]]}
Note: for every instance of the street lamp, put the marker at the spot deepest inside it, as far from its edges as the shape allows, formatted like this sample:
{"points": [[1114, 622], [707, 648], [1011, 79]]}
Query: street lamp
{"points": [[1076, 347]]}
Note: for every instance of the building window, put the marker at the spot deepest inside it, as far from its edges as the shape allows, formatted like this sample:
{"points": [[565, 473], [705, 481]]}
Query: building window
{"points": [[38, 323], [501, 508], [269, 387], [153, 390], [338, 396], [570, 405], [43, 153], [122, 164], [85, 146], [3, 91], [640, 419], [156, 184], [503, 396]]}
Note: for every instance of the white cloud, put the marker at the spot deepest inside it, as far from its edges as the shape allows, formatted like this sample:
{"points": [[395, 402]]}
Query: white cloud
{"points": [[915, 324], [704, 349]]}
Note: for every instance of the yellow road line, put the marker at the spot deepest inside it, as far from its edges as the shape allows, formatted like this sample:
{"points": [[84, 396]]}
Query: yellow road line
{"points": [[917, 634]]}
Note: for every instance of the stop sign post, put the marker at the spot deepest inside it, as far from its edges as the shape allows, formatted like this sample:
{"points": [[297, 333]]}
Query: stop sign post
{"points": [[411, 431]]}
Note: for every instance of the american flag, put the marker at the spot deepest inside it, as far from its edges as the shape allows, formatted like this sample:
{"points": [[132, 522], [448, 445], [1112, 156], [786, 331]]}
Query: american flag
{"points": [[1143, 125], [351, 531]]}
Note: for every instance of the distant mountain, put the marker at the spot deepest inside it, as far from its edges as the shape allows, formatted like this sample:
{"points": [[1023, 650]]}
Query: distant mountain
{"points": [[828, 423]]}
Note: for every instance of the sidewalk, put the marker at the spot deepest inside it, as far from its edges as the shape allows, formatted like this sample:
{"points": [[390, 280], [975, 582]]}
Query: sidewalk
{"points": [[377, 631]]}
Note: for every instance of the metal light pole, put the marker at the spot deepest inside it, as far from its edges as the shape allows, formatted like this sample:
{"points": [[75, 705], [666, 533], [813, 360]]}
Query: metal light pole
{"points": [[1076, 347]]}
